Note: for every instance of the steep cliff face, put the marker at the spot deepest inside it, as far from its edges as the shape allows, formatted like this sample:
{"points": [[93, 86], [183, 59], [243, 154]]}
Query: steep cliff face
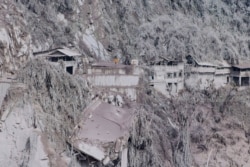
{"points": [[144, 29], [207, 30], [15, 40], [37, 116]]}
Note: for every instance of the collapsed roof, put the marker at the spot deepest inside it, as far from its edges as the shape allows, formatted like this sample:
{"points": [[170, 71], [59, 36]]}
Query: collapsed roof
{"points": [[103, 126]]}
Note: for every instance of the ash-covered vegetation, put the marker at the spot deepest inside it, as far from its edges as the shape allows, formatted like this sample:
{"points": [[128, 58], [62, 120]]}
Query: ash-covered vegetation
{"points": [[197, 128], [61, 97], [209, 30]]}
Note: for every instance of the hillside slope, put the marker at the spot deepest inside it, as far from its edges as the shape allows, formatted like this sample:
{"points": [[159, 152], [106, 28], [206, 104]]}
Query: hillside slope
{"points": [[40, 108], [145, 29]]}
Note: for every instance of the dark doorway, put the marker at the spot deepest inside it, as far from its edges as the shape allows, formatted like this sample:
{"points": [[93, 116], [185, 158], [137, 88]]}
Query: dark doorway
{"points": [[69, 69], [245, 81], [236, 81]]}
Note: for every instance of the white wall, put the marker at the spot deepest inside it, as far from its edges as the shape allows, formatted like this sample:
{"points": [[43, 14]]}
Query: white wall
{"points": [[130, 70], [203, 69], [163, 88], [124, 84], [202, 77], [66, 64], [200, 81], [113, 80], [106, 71], [162, 79], [124, 79], [220, 80]]}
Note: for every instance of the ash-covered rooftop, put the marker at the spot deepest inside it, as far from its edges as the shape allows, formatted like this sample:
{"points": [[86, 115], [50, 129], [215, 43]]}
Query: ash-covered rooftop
{"points": [[64, 51], [102, 124], [109, 65]]}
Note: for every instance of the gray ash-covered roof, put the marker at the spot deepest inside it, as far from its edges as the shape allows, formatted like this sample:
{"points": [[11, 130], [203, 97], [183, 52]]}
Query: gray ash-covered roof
{"points": [[101, 124], [245, 65], [61, 51]]}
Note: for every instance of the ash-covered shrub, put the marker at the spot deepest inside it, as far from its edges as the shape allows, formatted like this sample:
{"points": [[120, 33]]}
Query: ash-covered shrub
{"points": [[197, 135], [61, 96]]}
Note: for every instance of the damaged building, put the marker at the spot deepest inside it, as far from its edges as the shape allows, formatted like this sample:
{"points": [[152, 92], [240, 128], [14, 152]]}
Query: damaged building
{"points": [[222, 75], [68, 58], [167, 76], [102, 135], [111, 76], [204, 74], [240, 74]]}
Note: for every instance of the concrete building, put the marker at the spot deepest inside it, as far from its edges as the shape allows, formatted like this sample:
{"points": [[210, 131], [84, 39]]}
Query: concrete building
{"points": [[115, 77], [68, 58], [240, 74], [204, 74], [222, 75], [167, 76]]}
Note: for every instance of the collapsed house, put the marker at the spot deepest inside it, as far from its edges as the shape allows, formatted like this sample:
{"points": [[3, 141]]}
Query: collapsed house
{"points": [[65, 57], [204, 74], [167, 76], [102, 135], [111, 76]]}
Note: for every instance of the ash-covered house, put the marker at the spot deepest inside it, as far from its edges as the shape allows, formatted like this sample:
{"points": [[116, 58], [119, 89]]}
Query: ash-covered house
{"points": [[205, 74], [222, 74], [167, 76], [68, 56], [113, 76], [240, 74]]}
